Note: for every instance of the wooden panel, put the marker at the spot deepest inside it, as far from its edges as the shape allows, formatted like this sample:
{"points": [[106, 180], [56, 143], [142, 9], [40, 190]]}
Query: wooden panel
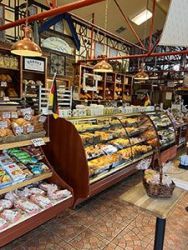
{"points": [[169, 154], [157, 207], [66, 153]]}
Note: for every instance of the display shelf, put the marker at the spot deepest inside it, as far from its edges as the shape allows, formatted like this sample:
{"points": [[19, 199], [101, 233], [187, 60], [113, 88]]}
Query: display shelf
{"points": [[20, 143], [119, 167], [2, 68], [33, 71], [66, 148], [25, 183]]}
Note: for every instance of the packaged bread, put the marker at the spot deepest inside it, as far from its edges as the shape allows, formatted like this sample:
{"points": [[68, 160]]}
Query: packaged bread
{"points": [[27, 206], [3, 223], [40, 200], [11, 215], [5, 204]]}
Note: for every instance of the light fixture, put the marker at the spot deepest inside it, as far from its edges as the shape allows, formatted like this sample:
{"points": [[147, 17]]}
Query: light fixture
{"points": [[142, 17], [103, 66], [26, 47], [141, 75]]}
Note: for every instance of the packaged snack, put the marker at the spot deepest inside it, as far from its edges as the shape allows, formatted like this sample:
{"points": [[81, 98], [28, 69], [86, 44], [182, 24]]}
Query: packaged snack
{"points": [[3, 224], [15, 172], [11, 196], [27, 206], [11, 215], [41, 200], [27, 173], [36, 169], [4, 204], [5, 160], [23, 193], [48, 187], [59, 194], [35, 190], [5, 179]]}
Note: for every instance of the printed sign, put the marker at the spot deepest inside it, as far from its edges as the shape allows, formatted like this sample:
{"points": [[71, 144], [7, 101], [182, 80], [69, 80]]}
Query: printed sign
{"points": [[38, 142], [33, 64]]}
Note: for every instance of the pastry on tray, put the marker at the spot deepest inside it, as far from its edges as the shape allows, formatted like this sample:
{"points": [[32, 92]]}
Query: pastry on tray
{"points": [[120, 142]]}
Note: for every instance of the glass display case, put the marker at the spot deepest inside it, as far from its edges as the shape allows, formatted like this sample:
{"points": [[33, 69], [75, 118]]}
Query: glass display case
{"points": [[165, 129], [114, 142]]}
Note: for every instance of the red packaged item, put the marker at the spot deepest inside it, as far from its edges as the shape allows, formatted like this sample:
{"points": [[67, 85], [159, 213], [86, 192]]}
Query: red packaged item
{"points": [[48, 187], [11, 196], [3, 224], [11, 215], [27, 206], [36, 191], [59, 194], [4, 204], [40, 200]]}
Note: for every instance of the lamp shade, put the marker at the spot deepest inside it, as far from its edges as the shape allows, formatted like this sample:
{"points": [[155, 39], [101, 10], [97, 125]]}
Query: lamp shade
{"points": [[26, 47], [103, 66], [141, 75]]}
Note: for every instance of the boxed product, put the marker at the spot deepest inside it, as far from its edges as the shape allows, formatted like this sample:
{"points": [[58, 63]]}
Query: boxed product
{"points": [[15, 172], [5, 178]]}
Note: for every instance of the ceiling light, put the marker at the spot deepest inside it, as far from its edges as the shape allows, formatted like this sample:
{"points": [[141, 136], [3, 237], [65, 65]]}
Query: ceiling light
{"points": [[26, 47], [141, 75], [142, 17], [103, 66]]}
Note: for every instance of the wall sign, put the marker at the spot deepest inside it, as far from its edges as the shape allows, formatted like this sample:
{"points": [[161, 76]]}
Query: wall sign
{"points": [[57, 44], [34, 64]]}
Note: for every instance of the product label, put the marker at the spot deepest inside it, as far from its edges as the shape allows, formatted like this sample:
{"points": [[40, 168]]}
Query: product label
{"points": [[3, 124], [14, 115], [30, 129], [26, 111], [3, 84], [42, 118], [27, 117], [6, 115], [18, 130], [38, 142]]}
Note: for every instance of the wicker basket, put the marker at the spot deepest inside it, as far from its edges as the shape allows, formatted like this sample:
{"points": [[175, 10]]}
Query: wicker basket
{"points": [[158, 190]]}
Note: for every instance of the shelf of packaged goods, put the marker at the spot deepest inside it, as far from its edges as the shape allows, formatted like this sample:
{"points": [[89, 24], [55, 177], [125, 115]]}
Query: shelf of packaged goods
{"points": [[25, 182], [26, 224], [20, 143], [118, 168]]}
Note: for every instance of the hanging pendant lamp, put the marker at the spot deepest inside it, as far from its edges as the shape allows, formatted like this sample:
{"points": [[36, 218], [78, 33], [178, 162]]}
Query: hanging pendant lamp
{"points": [[26, 47], [103, 66], [141, 75]]}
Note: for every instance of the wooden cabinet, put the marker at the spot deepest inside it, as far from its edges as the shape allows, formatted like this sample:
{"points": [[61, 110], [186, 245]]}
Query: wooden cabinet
{"points": [[111, 87]]}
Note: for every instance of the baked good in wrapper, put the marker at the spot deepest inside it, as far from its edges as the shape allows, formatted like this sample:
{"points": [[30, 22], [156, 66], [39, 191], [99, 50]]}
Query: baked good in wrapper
{"points": [[41, 201], [35, 190], [11, 215], [3, 223], [48, 187], [59, 194], [27, 206], [4, 204], [11, 196]]}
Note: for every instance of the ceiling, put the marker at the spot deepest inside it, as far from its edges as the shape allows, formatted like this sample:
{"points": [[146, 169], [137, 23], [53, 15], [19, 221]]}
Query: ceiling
{"points": [[115, 19]]}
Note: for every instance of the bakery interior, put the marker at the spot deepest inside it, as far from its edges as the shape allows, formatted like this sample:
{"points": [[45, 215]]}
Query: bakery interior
{"points": [[93, 124]]}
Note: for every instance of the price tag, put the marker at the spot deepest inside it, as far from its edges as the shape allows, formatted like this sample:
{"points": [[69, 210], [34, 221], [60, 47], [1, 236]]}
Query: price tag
{"points": [[6, 99], [6, 115], [26, 111], [42, 118], [3, 124], [38, 142], [14, 115], [3, 84], [27, 117], [33, 87]]}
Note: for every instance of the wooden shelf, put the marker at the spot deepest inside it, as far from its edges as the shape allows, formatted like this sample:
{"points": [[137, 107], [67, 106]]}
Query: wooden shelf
{"points": [[9, 69], [33, 71], [25, 183], [20, 143]]}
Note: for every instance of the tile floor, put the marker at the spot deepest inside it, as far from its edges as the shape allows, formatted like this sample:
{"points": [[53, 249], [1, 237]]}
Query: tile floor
{"points": [[106, 223]]}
